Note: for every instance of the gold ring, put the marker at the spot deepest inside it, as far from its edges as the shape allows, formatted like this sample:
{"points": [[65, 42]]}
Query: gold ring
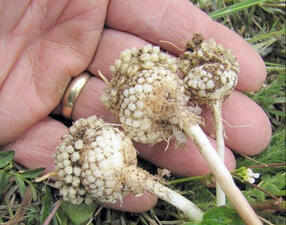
{"points": [[72, 92]]}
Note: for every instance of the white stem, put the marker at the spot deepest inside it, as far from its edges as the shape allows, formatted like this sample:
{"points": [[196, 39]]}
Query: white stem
{"points": [[139, 179], [216, 108], [222, 174]]}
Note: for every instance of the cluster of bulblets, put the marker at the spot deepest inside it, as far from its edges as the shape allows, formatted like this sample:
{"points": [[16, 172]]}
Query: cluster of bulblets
{"points": [[154, 95]]}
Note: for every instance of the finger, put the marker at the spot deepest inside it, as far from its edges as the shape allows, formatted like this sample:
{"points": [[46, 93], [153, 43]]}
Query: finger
{"points": [[39, 73], [35, 149], [247, 127], [136, 204], [183, 161], [167, 20], [112, 42], [89, 102]]}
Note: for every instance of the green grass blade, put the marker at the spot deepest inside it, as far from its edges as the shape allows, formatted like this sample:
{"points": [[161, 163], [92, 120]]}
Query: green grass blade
{"points": [[234, 8], [263, 36]]}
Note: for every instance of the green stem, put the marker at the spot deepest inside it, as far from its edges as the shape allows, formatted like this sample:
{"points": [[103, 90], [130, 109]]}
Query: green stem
{"points": [[187, 179]]}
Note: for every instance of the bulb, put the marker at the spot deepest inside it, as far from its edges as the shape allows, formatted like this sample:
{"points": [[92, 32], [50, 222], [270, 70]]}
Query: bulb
{"points": [[101, 165], [90, 160], [209, 71], [149, 101]]}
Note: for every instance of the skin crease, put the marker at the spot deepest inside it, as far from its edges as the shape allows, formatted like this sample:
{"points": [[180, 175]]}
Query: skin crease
{"points": [[42, 55]]}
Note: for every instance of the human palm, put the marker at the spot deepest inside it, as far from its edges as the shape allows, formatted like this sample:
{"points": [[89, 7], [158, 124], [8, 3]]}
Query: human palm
{"points": [[43, 44]]}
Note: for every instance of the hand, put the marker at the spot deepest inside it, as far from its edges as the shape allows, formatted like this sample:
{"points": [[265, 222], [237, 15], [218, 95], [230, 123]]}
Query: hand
{"points": [[44, 45]]}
